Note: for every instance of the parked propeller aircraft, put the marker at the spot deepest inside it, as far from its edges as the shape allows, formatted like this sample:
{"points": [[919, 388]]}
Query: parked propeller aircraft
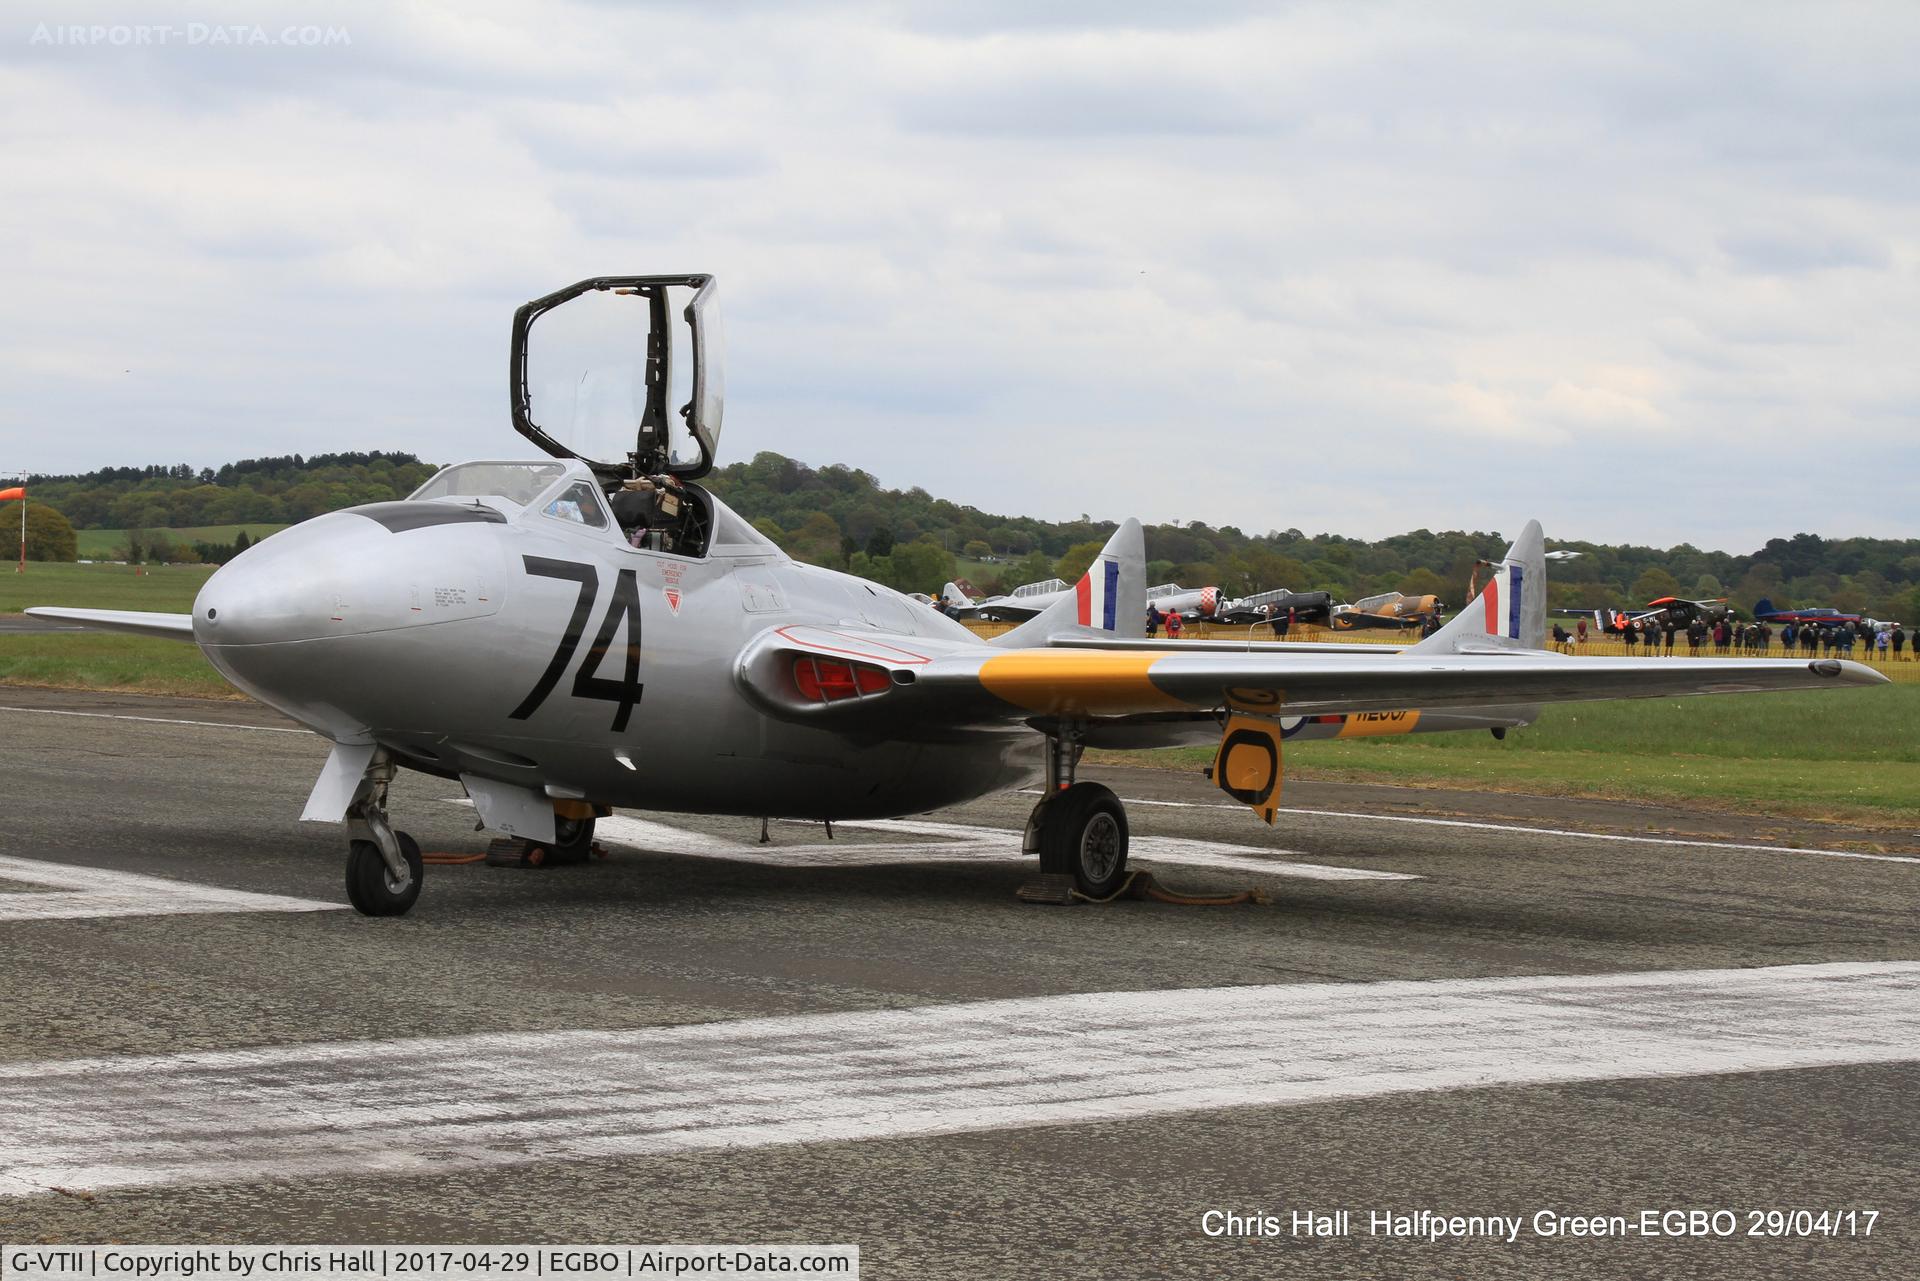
{"points": [[1389, 609], [1660, 611], [1019, 604], [595, 630], [1027, 602], [1188, 602], [1764, 611], [1262, 607]]}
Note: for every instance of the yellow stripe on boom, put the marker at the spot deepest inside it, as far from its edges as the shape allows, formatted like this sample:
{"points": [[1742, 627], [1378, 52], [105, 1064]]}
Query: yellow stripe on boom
{"points": [[1063, 682]]}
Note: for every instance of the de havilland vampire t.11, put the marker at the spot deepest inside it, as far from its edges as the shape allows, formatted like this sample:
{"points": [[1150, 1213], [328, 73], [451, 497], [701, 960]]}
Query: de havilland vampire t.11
{"points": [[594, 629]]}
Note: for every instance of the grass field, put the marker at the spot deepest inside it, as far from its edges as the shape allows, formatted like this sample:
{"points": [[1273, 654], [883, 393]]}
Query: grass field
{"points": [[1852, 754], [105, 660], [95, 543], [165, 588]]}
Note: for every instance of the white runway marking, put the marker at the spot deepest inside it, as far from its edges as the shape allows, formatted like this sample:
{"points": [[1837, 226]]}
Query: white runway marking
{"points": [[1536, 831], [433, 1105], [961, 843], [77, 892], [156, 720]]}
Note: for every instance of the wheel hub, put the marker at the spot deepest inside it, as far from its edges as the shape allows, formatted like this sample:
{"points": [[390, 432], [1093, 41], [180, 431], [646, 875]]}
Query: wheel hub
{"points": [[1100, 847]]}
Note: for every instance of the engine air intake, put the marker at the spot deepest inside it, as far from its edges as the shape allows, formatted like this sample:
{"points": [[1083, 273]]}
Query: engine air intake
{"points": [[829, 680]]}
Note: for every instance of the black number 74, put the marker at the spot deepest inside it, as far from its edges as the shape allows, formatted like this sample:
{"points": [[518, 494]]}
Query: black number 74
{"points": [[586, 684]]}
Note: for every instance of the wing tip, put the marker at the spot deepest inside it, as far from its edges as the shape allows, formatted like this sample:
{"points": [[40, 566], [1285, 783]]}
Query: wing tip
{"points": [[141, 622], [1848, 672]]}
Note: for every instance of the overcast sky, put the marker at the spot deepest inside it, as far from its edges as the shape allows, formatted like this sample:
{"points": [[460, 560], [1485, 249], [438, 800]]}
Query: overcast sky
{"points": [[1647, 272]]}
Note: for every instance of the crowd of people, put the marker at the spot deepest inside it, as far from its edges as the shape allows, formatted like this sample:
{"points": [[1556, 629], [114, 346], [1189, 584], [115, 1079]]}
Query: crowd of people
{"points": [[1665, 634]]}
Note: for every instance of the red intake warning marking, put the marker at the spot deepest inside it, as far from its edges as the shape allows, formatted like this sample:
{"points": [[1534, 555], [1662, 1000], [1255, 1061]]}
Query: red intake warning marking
{"points": [[1376, 724]]}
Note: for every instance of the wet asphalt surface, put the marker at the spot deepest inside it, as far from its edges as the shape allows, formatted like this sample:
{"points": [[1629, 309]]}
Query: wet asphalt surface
{"points": [[648, 938]]}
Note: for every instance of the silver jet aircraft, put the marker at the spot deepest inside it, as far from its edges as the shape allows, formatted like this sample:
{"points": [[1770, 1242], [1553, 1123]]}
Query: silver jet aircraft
{"points": [[595, 629]]}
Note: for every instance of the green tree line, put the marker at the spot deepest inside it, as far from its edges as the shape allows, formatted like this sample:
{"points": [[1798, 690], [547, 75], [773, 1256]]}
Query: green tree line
{"points": [[276, 491], [842, 517]]}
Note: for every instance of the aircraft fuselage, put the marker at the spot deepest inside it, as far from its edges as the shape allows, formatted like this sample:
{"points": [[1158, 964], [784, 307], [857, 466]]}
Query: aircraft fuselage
{"points": [[536, 651]]}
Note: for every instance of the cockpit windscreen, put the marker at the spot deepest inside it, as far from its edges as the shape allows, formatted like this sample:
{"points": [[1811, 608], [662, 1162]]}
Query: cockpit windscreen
{"points": [[518, 483]]}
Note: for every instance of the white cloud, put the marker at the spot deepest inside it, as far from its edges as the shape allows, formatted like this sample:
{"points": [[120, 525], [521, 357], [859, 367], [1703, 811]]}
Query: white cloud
{"points": [[1233, 268]]}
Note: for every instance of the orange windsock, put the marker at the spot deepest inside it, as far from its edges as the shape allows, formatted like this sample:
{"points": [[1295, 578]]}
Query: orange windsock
{"points": [[18, 491]]}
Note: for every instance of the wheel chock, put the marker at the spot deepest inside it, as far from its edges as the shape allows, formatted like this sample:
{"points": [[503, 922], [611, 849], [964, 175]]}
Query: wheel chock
{"points": [[1054, 888], [511, 851]]}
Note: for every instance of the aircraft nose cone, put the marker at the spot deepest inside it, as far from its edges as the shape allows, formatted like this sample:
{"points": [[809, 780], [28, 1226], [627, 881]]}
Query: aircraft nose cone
{"points": [[338, 620], [303, 583]]}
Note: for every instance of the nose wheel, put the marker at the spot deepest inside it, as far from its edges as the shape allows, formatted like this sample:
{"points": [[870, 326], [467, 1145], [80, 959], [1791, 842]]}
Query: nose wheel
{"points": [[384, 867], [373, 888]]}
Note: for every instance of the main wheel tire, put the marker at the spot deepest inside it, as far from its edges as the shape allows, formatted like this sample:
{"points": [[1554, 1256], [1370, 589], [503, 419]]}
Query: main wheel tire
{"points": [[371, 890], [572, 840], [1083, 833]]}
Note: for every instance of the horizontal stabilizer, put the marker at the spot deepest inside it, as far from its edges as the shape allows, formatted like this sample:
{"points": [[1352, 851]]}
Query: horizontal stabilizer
{"points": [[170, 626]]}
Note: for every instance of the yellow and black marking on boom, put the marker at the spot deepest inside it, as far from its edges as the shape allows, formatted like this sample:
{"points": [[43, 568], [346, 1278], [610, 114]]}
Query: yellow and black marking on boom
{"points": [[1246, 765]]}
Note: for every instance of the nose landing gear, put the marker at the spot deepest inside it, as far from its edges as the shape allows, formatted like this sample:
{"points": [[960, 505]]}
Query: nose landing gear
{"points": [[1078, 829], [384, 868], [372, 887]]}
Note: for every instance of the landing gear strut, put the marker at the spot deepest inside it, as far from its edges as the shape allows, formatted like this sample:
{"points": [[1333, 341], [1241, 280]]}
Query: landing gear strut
{"points": [[384, 869], [1078, 829], [572, 843]]}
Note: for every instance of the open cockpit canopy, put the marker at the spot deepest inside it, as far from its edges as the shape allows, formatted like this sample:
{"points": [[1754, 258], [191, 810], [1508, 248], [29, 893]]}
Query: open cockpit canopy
{"points": [[623, 373]]}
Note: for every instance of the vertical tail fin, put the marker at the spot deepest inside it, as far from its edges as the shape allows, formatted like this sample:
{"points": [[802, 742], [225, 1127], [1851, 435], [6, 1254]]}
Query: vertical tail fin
{"points": [[1511, 610], [1763, 606], [1109, 600]]}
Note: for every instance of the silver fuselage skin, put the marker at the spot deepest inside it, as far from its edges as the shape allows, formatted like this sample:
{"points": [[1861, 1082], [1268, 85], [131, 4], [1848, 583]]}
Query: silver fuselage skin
{"points": [[430, 639], [483, 639]]}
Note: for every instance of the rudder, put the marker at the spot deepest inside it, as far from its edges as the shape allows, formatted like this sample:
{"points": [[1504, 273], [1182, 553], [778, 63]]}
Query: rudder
{"points": [[1510, 611]]}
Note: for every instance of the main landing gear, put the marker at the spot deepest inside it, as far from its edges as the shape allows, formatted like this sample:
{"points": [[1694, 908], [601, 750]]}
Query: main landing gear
{"points": [[1078, 829], [572, 843], [384, 868]]}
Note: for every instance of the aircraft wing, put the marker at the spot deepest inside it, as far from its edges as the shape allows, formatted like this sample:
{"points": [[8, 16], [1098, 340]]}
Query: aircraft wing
{"points": [[861, 678], [170, 626], [1125, 683], [1356, 648], [1491, 655]]}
